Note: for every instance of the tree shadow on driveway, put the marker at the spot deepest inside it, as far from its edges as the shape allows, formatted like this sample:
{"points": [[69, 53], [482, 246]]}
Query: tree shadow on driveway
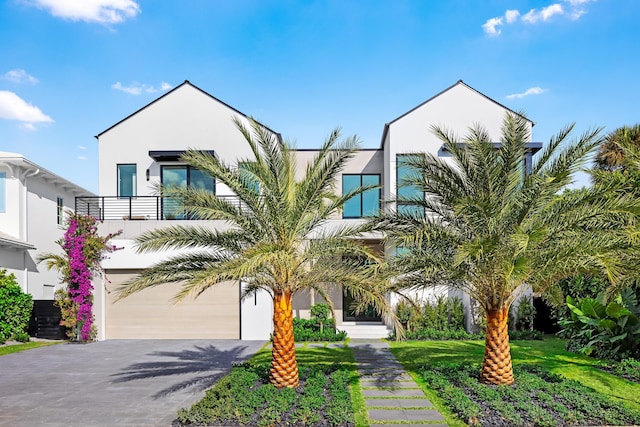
{"points": [[192, 370]]}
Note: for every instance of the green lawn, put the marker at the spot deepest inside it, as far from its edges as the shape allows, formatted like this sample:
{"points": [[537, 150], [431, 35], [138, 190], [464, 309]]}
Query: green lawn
{"points": [[549, 353], [15, 348]]}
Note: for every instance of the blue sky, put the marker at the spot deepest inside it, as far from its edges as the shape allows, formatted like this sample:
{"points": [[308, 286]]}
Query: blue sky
{"points": [[69, 69]]}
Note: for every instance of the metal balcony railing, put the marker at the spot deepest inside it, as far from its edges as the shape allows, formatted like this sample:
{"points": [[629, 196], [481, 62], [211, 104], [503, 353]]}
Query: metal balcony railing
{"points": [[105, 208]]}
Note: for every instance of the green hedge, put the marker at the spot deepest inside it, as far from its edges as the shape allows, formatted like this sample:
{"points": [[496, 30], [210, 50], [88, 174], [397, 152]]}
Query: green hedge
{"points": [[15, 309]]}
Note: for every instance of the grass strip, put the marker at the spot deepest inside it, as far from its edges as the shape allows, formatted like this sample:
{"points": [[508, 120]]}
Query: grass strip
{"points": [[16, 348]]}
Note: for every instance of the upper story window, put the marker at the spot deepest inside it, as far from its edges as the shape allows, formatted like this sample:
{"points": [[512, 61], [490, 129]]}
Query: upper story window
{"points": [[186, 176], [3, 191], [60, 211], [364, 204], [405, 191], [127, 180], [182, 176]]}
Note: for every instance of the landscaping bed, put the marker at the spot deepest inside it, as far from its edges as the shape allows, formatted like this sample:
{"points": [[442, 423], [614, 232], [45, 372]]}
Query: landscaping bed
{"points": [[245, 397], [538, 398]]}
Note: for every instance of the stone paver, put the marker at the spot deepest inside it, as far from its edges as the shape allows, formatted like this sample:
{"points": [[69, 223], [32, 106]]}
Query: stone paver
{"points": [[112, 383], [391, 395]]}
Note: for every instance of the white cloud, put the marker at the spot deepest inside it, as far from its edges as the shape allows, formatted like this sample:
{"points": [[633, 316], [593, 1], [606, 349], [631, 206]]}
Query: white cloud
{"points": [[575, 10], [578, 2], [27, 126], [81, 147], [19, 76], [136, 88], [490, 26], [511, 15], [100, 11], [544, 14], [12, 107], [82, 158], [531, 91]]}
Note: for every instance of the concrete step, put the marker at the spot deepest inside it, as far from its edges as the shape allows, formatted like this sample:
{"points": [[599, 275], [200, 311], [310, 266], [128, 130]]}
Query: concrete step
{"points": [[360, 330]]}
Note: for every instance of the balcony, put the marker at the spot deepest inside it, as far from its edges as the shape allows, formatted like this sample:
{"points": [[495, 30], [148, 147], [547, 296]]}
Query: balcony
{"points": [[108, 208]]}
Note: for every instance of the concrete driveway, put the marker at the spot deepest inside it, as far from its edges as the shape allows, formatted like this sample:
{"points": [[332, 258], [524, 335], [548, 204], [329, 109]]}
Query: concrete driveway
{"points": [[112, 383]]}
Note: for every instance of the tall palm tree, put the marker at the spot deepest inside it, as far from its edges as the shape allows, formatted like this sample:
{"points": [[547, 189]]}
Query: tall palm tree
{"points": [[276, 239], [487, 228]]}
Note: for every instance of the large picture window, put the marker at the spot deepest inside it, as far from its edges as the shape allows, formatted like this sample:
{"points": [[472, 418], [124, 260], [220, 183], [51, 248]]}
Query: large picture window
{"points": [[364, 204], [405, 191], [183, 176], [127, 181]]}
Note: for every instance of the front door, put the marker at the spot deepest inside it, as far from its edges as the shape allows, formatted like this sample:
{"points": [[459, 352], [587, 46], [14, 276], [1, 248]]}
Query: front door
{"points": [[349, 315]]}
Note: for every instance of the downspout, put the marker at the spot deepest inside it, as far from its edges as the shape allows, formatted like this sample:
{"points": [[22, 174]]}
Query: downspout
{"points": [[24, 232]]}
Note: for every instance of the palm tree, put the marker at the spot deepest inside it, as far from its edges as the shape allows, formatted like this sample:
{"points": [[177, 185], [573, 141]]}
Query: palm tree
{"points": [[611, 154], [490, 230], [276, 239]]}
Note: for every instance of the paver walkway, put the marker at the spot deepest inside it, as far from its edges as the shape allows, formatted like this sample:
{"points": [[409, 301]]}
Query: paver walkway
{"points": [[392, 397]]}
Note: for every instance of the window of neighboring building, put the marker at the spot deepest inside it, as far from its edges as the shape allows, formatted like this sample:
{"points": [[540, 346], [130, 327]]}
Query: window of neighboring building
{"points": [[364, 204], [3, 191], [404, 171], [183, 176], [127, 181], [60, 211]]}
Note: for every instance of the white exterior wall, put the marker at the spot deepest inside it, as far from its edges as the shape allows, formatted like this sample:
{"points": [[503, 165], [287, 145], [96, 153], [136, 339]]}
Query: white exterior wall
{"points": [[185, 118], [455, 110], [31, 217]]}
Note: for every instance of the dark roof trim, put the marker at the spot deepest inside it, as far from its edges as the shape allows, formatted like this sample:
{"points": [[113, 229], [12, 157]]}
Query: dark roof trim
{"points": [[186, 82], [317, 149], [459, 82], [532, 147], [171, 155]]}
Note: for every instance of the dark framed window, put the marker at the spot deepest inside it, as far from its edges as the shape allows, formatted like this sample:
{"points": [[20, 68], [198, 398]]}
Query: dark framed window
{"points": [[182, 176], [366, 203], [60, 211], [406, 191], [127, 180]]}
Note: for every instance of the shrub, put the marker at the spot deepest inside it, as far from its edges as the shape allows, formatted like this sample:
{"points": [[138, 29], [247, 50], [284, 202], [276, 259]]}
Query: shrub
{"points": [[605, 331], [15, 309], [441, 319], [318, 328], [525, 315]]}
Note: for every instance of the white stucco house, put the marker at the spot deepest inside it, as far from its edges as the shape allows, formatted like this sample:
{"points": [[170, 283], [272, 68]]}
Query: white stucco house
{"points": [[144, 149], [32, 205]]}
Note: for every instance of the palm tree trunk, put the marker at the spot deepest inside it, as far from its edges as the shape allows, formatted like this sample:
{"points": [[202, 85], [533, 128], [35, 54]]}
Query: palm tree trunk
{"points": [[284, 366], [496, 366]]}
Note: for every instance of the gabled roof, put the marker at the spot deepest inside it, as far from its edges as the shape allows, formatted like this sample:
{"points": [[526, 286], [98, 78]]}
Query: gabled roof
{"points": [[185, 83], [15, 160], [458, 83]]}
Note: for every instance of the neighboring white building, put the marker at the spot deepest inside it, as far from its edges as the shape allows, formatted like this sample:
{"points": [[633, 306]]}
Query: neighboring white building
{"points": [[32, 205], [144, 148]]}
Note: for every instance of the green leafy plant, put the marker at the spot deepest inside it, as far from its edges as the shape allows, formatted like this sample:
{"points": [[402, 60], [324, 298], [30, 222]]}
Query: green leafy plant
{"points": [[525, 314], [320, 327], [541, 398], [244, 397], [604, 330], [15, 309], [442, 318]]}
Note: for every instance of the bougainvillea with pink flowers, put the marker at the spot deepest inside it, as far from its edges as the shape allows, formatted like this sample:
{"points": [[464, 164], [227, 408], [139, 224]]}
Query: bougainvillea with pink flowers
{"points": [[83, 250]]}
